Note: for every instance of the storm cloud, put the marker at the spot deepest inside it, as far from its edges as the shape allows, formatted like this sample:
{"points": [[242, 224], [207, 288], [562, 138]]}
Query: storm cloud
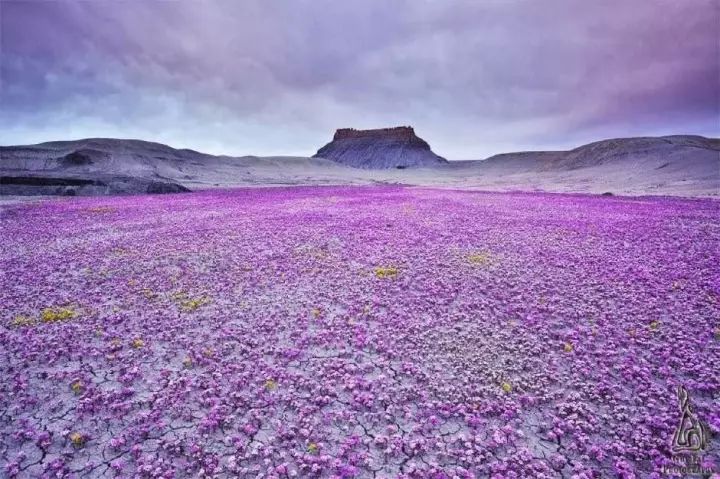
{"points": [[258, 77]]}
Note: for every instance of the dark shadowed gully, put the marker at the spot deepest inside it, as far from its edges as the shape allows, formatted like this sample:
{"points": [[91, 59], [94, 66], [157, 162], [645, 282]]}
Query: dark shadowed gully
{"points": [[356, 332]]}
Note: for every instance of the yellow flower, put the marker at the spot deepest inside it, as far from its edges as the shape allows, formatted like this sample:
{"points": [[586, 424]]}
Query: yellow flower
{"points": [[568, 347], [193, 304], [312, 448], [149, 293], [507, 387], [77, 439], [187, 362], [386, 272], [51, 315], [76, 386], [316, 312], [179, 295], [137, 343], [271, 385], [480, 258], [654, 325], [20, 321]]}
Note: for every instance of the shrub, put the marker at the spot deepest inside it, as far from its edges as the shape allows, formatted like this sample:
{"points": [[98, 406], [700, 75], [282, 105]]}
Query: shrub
{"points": [[101, 209]]}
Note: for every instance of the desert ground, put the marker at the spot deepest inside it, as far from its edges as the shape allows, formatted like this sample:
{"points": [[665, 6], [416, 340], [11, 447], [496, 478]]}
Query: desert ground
{"points": [[356, 332]]}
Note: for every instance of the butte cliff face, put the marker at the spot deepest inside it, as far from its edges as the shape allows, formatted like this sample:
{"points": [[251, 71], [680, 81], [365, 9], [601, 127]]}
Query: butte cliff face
{"points": [[380, 149]]}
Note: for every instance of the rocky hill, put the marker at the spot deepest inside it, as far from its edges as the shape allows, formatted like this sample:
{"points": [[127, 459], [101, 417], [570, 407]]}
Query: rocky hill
{"points": [[382, 148], [683, 165], [109, 166], [669, 165], [94, 166]]}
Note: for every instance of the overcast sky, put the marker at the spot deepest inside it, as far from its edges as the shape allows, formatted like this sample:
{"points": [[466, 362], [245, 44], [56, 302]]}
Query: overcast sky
{"points": [[263, 77]]}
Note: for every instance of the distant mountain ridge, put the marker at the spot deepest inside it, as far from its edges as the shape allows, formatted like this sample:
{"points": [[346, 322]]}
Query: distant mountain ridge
{"points": [[604, 150], [673, 165]]}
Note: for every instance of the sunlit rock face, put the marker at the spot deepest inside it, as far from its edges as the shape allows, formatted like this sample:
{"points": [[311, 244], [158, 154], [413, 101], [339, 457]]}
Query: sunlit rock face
{"points": [[381, 148]]}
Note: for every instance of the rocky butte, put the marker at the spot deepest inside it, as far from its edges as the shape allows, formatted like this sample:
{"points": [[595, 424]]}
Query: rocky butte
{"points": [[381, 148]]}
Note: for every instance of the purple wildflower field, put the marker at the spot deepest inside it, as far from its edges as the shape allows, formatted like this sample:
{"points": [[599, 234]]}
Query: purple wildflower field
{"points": [[355, 332]]}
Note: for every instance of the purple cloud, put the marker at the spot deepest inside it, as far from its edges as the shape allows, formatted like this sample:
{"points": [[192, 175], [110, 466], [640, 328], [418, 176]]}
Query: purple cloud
{"points": [[474, 78]]}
